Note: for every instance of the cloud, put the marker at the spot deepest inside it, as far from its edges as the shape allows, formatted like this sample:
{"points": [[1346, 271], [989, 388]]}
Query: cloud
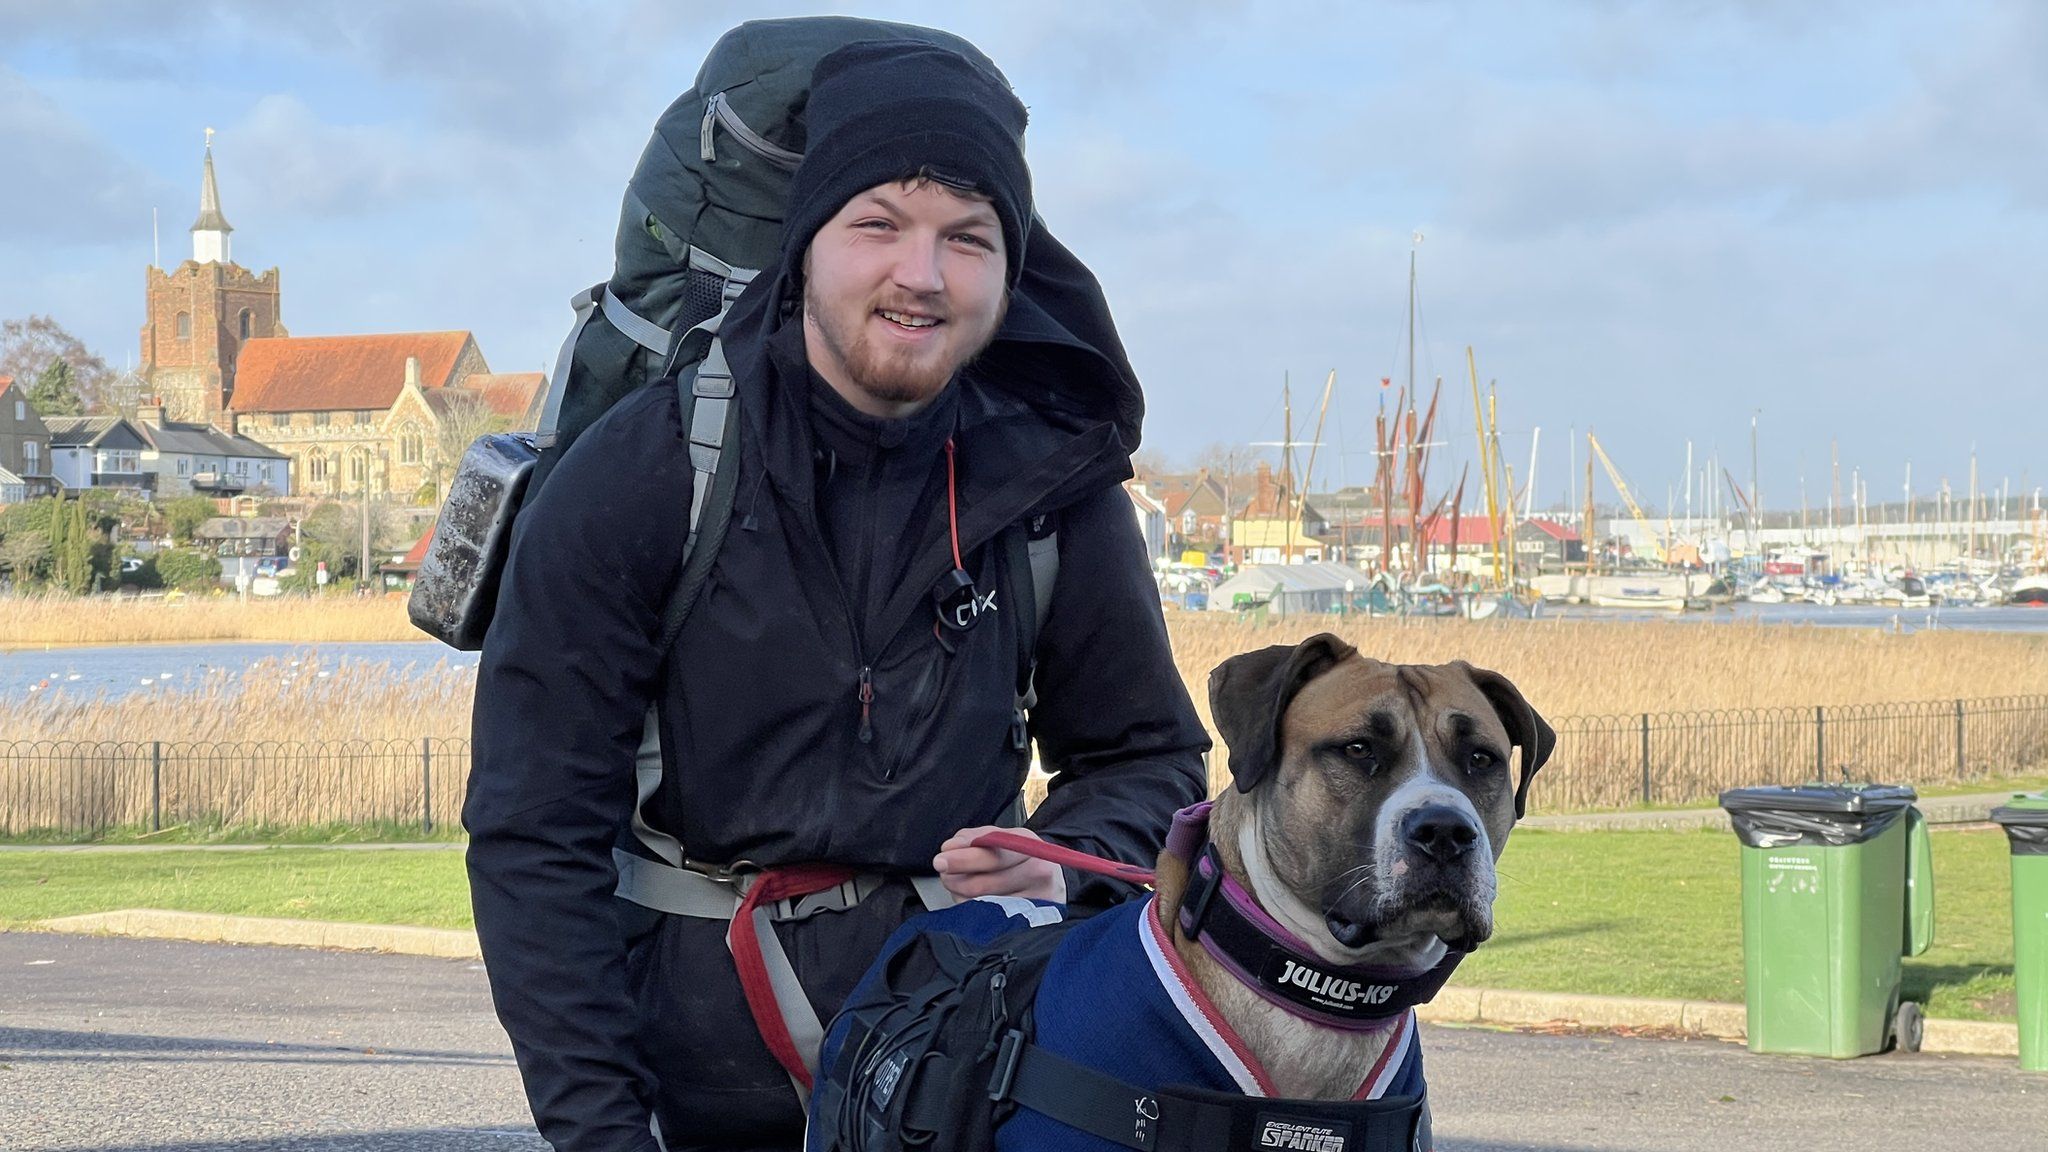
{"points": [[62, 184]]}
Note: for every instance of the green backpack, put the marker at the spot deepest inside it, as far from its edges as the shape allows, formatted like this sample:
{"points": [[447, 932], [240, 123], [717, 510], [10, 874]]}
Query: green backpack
{"points": [[702, 216]]}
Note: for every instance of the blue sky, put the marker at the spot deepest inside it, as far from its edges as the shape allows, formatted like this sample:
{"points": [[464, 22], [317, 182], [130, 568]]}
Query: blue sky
{"points": [[1650, 219]]}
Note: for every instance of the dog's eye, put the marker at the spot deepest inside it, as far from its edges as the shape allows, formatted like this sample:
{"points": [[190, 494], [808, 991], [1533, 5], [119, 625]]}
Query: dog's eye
{"points": [[1481, 760], [1361, 751]]}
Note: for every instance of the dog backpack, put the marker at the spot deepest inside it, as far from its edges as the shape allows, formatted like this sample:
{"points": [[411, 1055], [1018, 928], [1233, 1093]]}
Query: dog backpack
{"points": [[934, 1051], [702, 215]]}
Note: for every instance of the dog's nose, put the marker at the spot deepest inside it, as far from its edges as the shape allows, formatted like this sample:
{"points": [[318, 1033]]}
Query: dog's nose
{"points": [[1439, 832]]}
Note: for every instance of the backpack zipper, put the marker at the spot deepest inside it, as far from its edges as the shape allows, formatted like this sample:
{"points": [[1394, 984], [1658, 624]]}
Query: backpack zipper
{"points": [[718, 112]]}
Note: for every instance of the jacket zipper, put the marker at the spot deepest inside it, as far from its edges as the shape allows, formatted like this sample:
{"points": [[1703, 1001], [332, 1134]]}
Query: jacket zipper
{"points": [[717, 112]]}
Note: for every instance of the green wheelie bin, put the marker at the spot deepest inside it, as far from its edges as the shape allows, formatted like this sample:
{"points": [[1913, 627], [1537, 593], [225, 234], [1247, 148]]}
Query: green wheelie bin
{"points": [[1837, 885], [2025, 820]]}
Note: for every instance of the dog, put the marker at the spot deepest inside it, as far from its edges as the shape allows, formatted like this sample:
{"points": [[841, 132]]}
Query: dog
{"points": [[1369, 804], [1294, 923]]}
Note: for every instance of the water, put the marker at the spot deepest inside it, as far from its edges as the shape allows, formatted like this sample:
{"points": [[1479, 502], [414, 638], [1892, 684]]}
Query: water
{"points": [[124, 670], [1999, 618]]}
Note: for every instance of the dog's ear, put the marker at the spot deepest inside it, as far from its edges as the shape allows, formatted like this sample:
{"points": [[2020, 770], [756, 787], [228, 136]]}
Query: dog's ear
{"points": [[1248, 695], [1527, 729]]}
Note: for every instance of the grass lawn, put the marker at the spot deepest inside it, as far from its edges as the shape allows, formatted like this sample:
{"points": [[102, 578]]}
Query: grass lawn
{"points": [[427, 888], [1659, 914], [1617, 913]]}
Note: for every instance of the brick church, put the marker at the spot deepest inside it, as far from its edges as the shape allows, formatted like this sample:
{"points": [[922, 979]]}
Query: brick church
{"points": [[351, 413]]}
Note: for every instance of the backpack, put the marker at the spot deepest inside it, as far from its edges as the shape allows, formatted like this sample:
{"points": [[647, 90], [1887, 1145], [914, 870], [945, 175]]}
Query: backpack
{"points": [[702, 215], [933, 1051]]}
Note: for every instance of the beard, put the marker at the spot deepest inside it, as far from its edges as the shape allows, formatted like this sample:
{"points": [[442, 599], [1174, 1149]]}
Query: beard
{"points": [[896, 374]]}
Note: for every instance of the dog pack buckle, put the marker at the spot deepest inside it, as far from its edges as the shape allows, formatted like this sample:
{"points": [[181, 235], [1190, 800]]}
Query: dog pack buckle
{"points": [[1004, 1076]]}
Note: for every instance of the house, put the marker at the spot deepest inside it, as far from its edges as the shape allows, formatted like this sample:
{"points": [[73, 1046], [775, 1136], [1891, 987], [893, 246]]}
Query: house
{"points": [[99, 452], [1151, 519], [24, 447], [401, 572], [1539, 545], [1276, 525], [430, 428], [329, 402], [1549, 544], [1197, 509], [200, 459]]}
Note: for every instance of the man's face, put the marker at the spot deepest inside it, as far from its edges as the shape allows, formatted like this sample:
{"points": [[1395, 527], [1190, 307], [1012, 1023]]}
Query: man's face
{"points": [[901, 288]]}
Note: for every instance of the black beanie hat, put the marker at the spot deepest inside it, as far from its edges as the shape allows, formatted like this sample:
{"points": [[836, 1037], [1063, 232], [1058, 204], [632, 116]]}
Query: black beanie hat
{"points": [[884, 110]]}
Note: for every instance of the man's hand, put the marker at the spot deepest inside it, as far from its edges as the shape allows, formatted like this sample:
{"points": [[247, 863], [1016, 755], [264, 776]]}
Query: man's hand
{"points": [[968, 872]]}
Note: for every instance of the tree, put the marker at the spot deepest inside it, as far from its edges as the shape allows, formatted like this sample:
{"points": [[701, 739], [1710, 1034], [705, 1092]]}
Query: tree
{"points": [[1147, 463], [463, 417], [185, 514], [25, 557], [29, 345], [191, 571], [53, 395]]}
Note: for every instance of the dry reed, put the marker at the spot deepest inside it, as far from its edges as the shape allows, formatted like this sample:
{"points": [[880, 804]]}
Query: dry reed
{"points": [[369, 722], [73, 620]]}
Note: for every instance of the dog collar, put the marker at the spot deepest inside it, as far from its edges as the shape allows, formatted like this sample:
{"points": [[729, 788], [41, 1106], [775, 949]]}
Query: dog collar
{"points": [[1228, 923]]}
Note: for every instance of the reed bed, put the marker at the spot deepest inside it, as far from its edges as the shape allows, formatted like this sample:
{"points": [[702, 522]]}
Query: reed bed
{"points": [[35, 621], [324, 740]]}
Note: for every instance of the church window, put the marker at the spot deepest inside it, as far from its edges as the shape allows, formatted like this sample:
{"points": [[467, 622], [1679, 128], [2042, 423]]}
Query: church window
{"points": [[316, 468], [357, 466], [245, 323], [320, 419], [409, 445], [184, 325], [365, 417], [280, 419]]}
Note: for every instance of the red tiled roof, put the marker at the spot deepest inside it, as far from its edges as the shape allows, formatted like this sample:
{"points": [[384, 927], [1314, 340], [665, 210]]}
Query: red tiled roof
{"points": [[1552, 529], [417, 554], [1471, 530], [507, 394], [330, 373]]}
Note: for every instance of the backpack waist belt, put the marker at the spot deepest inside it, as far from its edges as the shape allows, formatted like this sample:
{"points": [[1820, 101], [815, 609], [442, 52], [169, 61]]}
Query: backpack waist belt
{"points": [[750, 902]]}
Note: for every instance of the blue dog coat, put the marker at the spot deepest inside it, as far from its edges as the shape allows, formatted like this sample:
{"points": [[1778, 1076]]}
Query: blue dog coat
{"points": [[1115, 998]]}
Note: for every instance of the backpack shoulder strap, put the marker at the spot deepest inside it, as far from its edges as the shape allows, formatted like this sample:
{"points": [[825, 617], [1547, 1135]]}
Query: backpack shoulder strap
{"points": [[1031, 564], [710, 410]]}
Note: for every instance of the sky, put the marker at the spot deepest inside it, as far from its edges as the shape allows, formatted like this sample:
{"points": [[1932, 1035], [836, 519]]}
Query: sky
{"points": [[1663, 222]]}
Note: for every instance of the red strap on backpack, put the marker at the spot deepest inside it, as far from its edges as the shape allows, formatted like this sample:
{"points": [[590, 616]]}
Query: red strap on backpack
{"points": [[771, 886]]}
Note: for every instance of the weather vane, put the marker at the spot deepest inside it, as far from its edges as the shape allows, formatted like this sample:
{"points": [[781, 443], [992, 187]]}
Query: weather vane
{"points": [[209, 137]]}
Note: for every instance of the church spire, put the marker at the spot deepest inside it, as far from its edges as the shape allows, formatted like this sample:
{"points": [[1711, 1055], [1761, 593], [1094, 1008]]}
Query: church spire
{"points": [[210, 231]]}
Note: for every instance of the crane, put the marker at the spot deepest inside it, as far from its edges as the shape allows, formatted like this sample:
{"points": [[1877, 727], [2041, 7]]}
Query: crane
{"points": [[1621, 486]]}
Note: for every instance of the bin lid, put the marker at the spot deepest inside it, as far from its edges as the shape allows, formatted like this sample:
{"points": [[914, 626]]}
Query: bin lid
{"points": [[2024, 811], [1848, 799]]}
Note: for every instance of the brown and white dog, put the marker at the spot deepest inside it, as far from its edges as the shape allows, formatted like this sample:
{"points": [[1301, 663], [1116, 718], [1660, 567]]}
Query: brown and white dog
{"points": [[1371, 801]]}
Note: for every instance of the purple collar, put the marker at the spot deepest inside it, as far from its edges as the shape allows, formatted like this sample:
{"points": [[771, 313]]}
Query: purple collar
{"points": [[1279, 965]]}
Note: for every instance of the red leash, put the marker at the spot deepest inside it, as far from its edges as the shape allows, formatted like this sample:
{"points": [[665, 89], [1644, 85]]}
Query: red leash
{"points": [[1066, 857]]}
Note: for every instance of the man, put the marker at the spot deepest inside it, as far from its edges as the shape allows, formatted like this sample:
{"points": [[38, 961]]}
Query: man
{"points": [[837, 696]]}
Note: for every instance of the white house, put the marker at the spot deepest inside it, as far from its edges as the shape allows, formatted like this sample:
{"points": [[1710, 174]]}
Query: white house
{"points": [[1151, 515], [98, 452], [200, 459]]}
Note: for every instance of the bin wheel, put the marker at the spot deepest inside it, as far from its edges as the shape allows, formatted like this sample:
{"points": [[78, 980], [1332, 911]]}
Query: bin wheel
{"points": [[1907, 1026]]}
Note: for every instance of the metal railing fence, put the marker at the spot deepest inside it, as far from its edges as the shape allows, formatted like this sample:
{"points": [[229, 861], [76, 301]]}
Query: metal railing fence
{"points": [[73, 788]]}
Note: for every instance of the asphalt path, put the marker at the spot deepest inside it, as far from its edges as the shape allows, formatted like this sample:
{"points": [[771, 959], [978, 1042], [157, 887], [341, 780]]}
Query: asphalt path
{"points": [[174, 1047]]}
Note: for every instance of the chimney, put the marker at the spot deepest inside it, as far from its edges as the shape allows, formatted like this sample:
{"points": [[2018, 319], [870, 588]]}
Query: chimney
{"points": [[151, 414], [412, 371]]}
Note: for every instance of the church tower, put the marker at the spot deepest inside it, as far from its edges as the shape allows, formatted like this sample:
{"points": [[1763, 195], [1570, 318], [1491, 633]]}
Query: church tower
{"points": [[200, 314]]}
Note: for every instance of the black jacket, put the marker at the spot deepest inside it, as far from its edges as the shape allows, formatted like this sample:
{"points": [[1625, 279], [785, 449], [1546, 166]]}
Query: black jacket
{"points": [[768, 755]]}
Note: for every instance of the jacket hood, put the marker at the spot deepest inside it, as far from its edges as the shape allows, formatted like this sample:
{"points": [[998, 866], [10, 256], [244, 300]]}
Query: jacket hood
{"points": [[1058, 350]]}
